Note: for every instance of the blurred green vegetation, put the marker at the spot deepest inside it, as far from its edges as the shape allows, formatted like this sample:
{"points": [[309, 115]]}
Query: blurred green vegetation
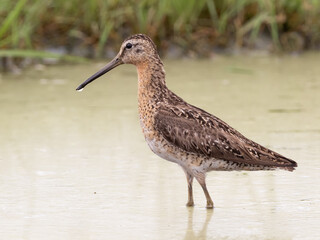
{"points": [[32, 25]]}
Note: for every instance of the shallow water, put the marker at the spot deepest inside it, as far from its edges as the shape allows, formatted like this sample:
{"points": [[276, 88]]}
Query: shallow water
{"points": [[75, 165]]}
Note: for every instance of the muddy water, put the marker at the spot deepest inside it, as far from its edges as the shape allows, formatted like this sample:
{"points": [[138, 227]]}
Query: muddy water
{"points": [[75, 165]]}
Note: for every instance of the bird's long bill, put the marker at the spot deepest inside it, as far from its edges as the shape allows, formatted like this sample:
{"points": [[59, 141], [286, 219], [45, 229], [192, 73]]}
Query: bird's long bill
{"points": [[111, 65]]}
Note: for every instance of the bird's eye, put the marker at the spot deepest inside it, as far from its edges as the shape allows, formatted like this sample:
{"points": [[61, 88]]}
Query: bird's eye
{"points": [[129, 45]]}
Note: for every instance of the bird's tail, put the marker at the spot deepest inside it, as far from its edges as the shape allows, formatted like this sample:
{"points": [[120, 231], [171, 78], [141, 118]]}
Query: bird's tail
{"points": [[289, 165]]}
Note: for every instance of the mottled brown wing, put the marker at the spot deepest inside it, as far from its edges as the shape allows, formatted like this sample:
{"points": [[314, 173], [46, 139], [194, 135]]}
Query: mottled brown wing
{"points": [[197, 131]]}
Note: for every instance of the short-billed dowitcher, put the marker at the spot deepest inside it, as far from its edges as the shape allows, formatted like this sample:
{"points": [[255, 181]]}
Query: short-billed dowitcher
{"points": [[182, 133]]}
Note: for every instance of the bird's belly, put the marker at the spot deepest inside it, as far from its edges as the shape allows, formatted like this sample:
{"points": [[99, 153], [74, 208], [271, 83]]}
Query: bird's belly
{"points": [[190, 161], [154, 140], [164, 150]]}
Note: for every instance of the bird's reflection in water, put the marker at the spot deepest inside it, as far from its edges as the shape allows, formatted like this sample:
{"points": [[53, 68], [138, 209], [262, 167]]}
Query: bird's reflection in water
{"points": [[202, 234]]}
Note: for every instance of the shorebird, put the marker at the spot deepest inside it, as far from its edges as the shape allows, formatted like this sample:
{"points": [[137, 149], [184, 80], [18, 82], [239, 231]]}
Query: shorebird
{"points": [[182, 133]]}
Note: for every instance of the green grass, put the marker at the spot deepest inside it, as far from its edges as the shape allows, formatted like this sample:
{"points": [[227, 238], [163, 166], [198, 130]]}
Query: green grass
{"points": [[30, 25], [25, 53]]}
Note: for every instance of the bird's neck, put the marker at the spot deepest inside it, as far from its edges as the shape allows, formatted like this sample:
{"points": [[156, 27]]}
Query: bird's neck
{"points": [[151, 84]]}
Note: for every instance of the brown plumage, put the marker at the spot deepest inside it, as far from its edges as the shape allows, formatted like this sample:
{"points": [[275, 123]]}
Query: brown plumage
{"points": [[197, 131], [179, 132]]}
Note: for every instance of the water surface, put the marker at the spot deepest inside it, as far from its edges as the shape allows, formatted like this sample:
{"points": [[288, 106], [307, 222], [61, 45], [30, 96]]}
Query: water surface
{"points": [[75, 165]]}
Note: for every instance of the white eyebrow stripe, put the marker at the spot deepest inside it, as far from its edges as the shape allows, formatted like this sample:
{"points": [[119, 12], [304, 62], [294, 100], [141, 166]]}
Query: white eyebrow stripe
{"points": [[121, 51]]}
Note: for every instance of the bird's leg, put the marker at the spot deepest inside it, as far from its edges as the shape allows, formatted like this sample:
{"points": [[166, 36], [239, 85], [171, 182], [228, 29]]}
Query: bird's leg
{"points": [[202, 182], [190, 202], [209, 200]]}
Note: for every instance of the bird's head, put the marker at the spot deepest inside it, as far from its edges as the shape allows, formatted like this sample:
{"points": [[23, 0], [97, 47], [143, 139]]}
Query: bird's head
{"points": [[136, 49]]}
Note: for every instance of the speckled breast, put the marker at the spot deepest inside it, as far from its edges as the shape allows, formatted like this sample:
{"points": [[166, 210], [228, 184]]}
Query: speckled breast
{"points": [[155, 140]]}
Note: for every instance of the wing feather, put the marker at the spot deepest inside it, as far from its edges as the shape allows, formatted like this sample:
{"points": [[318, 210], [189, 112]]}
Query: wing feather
{"points": [[196, 131]]}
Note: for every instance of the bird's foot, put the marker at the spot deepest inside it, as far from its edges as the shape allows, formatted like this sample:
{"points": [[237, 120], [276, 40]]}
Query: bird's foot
{"points": [[190, 204], [210, 205]]}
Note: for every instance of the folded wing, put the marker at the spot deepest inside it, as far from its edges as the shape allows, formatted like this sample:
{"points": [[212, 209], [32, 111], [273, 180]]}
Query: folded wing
{"points": [[196, 131]]}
